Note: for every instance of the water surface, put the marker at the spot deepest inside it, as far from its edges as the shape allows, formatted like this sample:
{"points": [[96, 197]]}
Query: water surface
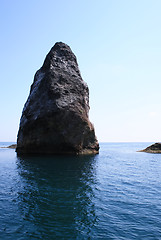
{"points": [[113, 195]]}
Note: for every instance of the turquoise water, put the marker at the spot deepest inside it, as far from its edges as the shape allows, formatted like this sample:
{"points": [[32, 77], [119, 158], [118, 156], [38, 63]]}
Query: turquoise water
{"points": [[113, 195]]}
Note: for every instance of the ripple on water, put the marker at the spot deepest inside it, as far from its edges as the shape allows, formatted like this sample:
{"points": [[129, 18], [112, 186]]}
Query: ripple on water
{"points": [[114, 195]]}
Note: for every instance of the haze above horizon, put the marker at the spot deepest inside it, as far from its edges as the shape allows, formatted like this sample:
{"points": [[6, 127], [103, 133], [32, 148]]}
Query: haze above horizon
{"points": [[118, 48]]}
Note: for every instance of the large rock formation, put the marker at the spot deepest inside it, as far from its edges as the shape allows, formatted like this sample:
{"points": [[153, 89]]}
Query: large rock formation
{"points": [[55, 116], [154, 148]]}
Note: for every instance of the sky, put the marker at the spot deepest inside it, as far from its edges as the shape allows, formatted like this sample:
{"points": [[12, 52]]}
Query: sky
{"points": [[118, 48]]}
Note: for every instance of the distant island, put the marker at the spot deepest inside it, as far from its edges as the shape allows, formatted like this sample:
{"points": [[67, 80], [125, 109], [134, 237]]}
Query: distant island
{"points": [[154, 148], [13, 146]]}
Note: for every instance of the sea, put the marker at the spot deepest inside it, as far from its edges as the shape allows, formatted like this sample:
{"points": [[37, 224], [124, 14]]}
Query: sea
{"points": [[113, 195]]}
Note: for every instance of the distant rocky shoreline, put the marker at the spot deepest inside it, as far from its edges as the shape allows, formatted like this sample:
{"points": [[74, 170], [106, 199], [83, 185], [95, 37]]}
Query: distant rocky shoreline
{"points": [[13, 146], [154, 148]]}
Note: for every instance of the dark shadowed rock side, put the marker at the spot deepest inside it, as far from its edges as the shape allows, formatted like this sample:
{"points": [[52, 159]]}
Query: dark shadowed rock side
{"points": [[55, 115], [154, 148]]}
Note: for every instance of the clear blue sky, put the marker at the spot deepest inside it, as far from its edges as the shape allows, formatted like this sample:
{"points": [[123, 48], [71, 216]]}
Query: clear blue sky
{"points": [[118, 48]]}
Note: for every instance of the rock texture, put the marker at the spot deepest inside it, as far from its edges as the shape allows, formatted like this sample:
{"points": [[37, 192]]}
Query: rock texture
{"points": [[55, 116], [154, 148]]}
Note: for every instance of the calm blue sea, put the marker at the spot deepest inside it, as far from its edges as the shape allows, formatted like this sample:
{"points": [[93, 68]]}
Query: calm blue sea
{"points": [[113, 195]]}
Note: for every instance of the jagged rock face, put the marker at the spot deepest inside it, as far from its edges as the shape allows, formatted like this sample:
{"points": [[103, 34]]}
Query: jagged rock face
{"points": [[55, 116]]}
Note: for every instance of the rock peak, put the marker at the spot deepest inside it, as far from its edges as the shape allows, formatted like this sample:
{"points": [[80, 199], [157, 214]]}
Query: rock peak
{"points": [[62, 48], [55, 115], [58, 54], [61, 45]]}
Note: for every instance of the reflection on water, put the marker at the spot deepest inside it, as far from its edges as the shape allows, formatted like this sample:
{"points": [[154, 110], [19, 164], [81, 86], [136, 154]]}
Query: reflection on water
{"points": [[56, 197], [114, 195]]}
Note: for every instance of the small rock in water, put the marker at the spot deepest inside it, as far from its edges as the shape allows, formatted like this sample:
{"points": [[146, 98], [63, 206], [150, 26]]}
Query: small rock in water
{"points": [[55, 115], [154, 148], [14, 146]]}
